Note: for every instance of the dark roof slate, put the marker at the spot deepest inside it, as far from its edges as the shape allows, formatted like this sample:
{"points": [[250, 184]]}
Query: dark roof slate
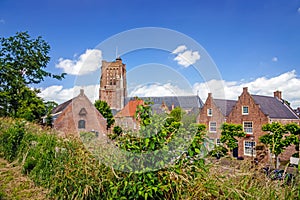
{"points": [[274, 107], [178, 101], [61, 107], [225, 106]]}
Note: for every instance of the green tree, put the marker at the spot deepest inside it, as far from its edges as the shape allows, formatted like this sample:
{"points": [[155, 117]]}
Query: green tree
{"points": [[22, 63], [31, 107], [177, 113], [143, 113], [117, 130], [294, 129], [229, 134], [49, 105], [106, 112], [276, 139]]}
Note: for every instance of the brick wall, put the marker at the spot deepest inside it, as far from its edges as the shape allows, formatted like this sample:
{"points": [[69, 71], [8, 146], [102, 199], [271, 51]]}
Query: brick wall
{"points": [[256, 116], [113, 87], [217, 117], [67, 121]]}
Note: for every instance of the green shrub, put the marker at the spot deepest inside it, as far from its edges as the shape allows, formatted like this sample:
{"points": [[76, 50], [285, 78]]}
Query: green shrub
{"points": [[10, 140], [218, 151]]}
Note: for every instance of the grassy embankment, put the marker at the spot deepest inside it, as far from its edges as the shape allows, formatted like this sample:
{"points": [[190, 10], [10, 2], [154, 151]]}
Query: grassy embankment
{"points": [[64, 169]]}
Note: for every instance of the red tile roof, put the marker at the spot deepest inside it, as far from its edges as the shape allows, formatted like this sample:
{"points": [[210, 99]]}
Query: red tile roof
{"points": [[129, 109]]}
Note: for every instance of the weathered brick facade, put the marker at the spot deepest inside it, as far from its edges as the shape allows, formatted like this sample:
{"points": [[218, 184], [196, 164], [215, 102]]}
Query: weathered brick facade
{"points": [[113, 87], [78, 115], [126, 117], [254, 116], [216, 116], [251, 111]]}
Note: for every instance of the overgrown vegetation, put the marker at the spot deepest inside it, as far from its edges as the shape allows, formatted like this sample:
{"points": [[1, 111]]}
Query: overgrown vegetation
{"points": [[69, 171]]}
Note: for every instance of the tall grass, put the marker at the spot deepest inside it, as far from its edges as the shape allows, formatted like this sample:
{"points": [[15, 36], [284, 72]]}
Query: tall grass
{"points": [[69, 171]]}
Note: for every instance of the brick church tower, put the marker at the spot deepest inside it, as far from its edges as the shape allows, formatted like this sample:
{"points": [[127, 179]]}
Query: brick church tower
{"points": [[113, 87]]}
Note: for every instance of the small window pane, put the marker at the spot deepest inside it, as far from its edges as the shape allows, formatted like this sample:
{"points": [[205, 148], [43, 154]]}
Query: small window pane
{"points": [[249, 148], [248, 128], [218, 142], [81, 124], [245, 110], [209, 112], [212, 126]]}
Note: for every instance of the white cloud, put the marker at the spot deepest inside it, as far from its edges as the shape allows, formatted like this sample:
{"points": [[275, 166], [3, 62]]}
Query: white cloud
{"points": [[179, 49], [59, 94], [158, 90], [2, 21], [185, 57], [88, 62], [275, 59], [287, 82]]}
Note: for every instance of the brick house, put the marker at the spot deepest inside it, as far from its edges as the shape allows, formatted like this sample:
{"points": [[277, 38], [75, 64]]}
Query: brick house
{"points": [[126, 117], [78, 115], [251, 111], [213, 114]]}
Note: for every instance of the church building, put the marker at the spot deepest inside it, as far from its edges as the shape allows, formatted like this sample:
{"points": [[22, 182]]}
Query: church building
{"points": [[113, 83]]}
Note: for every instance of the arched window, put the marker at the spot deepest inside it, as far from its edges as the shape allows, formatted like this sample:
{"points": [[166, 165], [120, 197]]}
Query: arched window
{"points": [[81, 124]]}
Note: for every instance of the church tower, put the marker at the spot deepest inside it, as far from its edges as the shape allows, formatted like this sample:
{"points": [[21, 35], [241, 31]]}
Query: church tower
{"points": [[113, 87]]}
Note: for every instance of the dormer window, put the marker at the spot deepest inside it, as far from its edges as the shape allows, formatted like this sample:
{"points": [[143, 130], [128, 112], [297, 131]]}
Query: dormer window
{"points": [[209, 112], [245, 110]]}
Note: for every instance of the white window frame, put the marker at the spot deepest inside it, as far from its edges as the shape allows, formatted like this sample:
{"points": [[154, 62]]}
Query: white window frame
{"points": [[218, 142], [248, 127], [209, 112], [210, 127], [248, 148], [245, 113]]}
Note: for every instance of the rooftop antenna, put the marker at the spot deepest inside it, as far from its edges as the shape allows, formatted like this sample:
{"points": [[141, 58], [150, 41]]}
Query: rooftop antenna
{"points": [[116, 51]]}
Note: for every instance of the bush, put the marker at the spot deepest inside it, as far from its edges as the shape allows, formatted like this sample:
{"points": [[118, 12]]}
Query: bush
{"points": [[10, 140], [218, 151]]}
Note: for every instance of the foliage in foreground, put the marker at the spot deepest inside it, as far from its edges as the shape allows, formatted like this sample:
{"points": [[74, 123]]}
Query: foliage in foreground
{"points": [[70, 172]]}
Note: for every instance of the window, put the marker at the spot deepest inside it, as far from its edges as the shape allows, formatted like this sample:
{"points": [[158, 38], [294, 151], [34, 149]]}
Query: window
{"points": [[212, 126], [218, 142], [81, 124], [249, 148], [245, 110], [248, 127], [209, 112]]}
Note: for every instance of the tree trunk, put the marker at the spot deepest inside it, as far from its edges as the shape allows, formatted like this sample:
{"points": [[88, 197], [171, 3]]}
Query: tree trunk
{"points": [[276, 162]]}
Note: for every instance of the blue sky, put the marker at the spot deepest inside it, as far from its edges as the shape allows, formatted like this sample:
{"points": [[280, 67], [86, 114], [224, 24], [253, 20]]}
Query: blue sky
{"points": [[253, 44]]}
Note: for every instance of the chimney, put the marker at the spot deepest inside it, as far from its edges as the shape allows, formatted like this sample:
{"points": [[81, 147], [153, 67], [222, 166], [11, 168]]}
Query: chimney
{"points": [[209, 95], [277, 94], [81, 92], [245, 89]]}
